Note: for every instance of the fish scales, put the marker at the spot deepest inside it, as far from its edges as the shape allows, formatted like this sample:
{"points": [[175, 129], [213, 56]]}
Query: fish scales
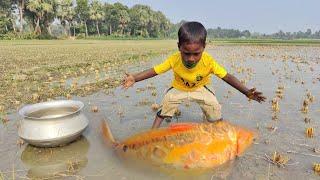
{"points": [[189, 145]]}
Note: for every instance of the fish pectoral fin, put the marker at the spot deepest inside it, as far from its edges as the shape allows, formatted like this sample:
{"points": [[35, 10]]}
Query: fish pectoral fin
{"points": [[107, 135]]}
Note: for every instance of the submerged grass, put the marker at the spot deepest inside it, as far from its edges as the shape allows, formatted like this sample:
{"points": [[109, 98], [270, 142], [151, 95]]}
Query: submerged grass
{"points": [[39, 70], [33, 71], [1, 176]]}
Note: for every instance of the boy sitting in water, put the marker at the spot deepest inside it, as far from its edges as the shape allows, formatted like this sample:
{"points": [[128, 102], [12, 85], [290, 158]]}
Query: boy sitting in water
{"points": [[192, 68]]}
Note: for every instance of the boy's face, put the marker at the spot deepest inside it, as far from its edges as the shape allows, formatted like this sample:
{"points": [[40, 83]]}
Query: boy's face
{"points": [[191, 53]]}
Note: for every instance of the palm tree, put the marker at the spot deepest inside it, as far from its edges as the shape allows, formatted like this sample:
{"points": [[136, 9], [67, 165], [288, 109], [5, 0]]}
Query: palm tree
{"points": [[82, 10], [39, 7], [124, 19], [66, 14], [49, 17], [96, 13], [6, 16], [140, 16]]}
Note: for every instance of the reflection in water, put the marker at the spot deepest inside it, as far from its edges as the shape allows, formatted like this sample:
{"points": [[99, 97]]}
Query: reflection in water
{"points": [[55, 162], [138, 167], [221, 172]]}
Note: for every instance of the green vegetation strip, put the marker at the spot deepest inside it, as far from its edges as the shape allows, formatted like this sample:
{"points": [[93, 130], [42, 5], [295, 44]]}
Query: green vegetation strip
{"points": [[266, 41]]}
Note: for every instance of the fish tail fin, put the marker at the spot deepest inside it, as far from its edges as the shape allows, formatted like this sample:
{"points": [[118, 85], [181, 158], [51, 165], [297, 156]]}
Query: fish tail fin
{"points": [[107, 134]]}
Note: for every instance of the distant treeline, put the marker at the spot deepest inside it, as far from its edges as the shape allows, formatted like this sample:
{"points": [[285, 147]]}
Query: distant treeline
{"points": [[80, 18], [29, 19], [234, 33]]}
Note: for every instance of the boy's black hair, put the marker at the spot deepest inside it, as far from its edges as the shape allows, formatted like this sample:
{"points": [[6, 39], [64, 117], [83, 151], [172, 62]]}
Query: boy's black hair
{"points": [[192, 32]]}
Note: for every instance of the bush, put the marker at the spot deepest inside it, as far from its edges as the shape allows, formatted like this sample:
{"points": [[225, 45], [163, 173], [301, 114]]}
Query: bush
{"points": [[8, 36], [81, 36], [45, 36], [20, 36], [29, 35]]}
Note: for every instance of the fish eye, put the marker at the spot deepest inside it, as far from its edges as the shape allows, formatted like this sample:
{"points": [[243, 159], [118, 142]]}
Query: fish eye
{"points": [[125, 147]]}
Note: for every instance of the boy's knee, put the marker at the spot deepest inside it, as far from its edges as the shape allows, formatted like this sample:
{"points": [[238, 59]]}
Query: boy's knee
{"points": [[212, 115], [162, 116], [166, 118]]}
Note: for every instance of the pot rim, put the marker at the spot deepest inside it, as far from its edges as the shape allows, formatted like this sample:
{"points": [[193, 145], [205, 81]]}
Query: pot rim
{"points": [[27, 109]]}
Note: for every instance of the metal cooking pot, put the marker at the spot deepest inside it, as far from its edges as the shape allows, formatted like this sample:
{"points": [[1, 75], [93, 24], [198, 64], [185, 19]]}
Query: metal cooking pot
{"points": [[53, 123]]}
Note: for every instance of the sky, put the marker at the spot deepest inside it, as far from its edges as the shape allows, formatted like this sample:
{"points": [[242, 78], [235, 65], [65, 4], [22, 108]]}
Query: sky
{"points": [[264, 16]]}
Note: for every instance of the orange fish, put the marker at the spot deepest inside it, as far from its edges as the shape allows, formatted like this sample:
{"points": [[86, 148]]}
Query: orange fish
{"points": [[185, 145]]}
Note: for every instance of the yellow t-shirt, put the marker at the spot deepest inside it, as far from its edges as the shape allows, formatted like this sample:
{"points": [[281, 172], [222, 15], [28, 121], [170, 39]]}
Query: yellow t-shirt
{"points": [[190, 79]]}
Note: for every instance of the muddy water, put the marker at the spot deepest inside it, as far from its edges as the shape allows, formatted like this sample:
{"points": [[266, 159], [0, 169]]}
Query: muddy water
{"points": [[264, 67]]}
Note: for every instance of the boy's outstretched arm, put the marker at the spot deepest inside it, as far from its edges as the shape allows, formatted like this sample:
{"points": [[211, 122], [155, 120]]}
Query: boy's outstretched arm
{"points": [[250, 93], [130, 79]]}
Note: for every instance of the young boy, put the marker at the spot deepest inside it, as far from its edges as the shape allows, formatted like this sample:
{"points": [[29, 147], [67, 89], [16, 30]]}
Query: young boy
{"points": [[192, 68]]}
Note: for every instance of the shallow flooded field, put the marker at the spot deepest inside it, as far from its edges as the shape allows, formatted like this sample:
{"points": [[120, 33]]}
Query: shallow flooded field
{"points": [[289, 76]]}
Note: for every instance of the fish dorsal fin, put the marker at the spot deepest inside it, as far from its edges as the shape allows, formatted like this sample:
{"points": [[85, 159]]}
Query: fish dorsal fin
{"points": [[181, 126]]}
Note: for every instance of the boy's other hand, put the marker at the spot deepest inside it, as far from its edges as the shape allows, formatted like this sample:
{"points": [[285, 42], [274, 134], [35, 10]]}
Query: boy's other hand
{"points": [[255, 95], [128, 81]]}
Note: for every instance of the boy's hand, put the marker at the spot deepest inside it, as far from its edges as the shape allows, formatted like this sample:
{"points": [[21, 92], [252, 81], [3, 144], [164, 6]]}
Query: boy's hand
{"points": [[255, 95], [128, 81]]}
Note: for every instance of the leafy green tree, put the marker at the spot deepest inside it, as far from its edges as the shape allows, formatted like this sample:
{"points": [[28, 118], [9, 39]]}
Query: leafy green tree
{"points": [[308, 33], [66, 14], [317, 35], [153, 26], [116, 17], [49, 17], [20, 5], [246, 33], [40, 8], [158, 25], [110, 18], [6, 16], [173, 30], [124, 19], [96, 13], [5, 5], [140, 16], [82, 11]]}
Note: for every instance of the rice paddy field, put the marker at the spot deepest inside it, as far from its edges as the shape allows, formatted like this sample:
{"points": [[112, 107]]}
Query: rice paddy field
{"points": [[287, 147]]}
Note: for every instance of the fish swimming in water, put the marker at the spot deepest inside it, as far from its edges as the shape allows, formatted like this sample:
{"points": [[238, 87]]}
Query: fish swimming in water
{"points": [[185, 145]]}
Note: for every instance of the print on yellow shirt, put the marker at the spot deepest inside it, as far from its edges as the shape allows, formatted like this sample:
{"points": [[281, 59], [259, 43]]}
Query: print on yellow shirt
{"points": [[191, 79]]}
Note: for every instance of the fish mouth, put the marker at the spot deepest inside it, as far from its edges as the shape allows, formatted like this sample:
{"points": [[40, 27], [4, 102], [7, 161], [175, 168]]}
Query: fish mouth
{"points": [[244, 140]]}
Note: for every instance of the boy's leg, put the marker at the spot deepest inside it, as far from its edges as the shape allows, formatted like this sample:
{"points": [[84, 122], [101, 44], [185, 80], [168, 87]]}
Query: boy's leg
{"points": [[209, 105], [158, 120], [170, 103]]}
